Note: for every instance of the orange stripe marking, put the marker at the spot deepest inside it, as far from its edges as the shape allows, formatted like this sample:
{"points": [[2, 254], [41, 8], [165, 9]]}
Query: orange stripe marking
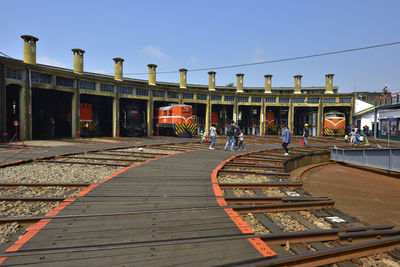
{"points": [[235, 217], [15, 150]]}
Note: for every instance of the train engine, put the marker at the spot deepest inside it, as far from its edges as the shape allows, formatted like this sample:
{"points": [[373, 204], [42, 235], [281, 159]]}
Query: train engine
{"points": [[270, 126], [175, 120], [132, 121], [87, 124], [334, 123]]}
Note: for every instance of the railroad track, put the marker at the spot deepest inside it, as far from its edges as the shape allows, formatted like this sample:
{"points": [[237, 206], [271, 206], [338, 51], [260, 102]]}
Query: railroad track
{"points": [[33, 188], [301, 229]]}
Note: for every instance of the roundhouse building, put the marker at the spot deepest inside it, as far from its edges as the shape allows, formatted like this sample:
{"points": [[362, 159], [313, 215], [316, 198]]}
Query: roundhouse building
{"points": [[40, 101]]}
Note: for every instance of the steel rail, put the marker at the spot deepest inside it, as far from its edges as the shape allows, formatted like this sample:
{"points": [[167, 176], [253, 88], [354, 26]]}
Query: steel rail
{"points": [[331, 255], [322, 235], [240, 208], [255, 172], [266, 237], [44, 184], [85, 163], [287, 206], [126, 154], [94, 158], [251, 156], [33, 199], [260, 185], [249, 200], [255, 165], [133, 153]]}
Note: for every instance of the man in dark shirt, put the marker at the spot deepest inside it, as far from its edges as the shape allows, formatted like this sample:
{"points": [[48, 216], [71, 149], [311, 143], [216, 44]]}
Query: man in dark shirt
{"points": [[306, 134], [231, 136]]}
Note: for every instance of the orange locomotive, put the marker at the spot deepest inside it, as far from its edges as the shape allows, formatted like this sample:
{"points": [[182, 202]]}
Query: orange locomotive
{"points": [[270, 126], [175, 120], [334, 123], [87, 125]]}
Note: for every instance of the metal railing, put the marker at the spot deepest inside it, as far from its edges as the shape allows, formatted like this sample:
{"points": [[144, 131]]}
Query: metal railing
{"points": [[386, 158]]}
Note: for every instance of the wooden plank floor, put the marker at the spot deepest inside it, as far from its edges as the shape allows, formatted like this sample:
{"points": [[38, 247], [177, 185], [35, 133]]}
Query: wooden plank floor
{"points": [[176, 182]]}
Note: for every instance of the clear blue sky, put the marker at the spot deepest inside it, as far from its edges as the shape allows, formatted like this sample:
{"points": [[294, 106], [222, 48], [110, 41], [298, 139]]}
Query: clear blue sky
{"points": [[196, 34]]}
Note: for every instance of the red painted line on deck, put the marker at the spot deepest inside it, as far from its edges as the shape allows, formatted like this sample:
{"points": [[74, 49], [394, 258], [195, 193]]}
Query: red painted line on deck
{"points": [[15, 150], [235, 217]]}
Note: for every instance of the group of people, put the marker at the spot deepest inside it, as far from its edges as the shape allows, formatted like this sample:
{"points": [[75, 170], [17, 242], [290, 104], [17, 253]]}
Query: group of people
{"points": [[235, 138], [355, 137]]}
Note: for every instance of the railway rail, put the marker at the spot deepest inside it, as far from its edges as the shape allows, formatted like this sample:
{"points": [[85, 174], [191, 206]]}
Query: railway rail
{"points": [[297, 239], [253, 188]]}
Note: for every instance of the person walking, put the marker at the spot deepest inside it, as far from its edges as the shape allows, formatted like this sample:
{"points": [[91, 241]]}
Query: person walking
{"points": [[213, 135], [353, 136], [365, 135], [231, 136], [241, 139], [306, 134], [237, 133], [285, 139]]}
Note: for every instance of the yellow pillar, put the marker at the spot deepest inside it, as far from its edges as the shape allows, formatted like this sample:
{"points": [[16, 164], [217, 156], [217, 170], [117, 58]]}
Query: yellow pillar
{"points": [[291, 117], [268, 89], [329, 83], [320, 122], [150, 107], [183, 78], [297, 84], [211, 80], [118, 68], [352, 110], [29, 48], [25, 103], [152, 74], [262, 117], [78, 60], [75, 106], [239, 86], [236, 111], [23, 113], [115, 125], [208, 115]]}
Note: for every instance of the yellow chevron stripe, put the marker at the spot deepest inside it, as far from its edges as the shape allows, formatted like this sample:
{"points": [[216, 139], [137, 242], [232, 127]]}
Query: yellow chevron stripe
{"points": [[91, 125]]}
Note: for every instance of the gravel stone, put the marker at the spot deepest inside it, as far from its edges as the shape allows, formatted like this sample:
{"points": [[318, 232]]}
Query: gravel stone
{"points": [[244, 192], [273, 192], [320, 222], [232, 178], [41, 172], [286, 221], [251, 221]]}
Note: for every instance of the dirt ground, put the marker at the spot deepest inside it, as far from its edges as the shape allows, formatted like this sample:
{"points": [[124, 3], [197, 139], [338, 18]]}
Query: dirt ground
{"points": [[370, 196]]}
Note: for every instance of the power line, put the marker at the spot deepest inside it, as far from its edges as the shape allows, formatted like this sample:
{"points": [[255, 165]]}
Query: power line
{"points": [[5, 54], [276, 60]]}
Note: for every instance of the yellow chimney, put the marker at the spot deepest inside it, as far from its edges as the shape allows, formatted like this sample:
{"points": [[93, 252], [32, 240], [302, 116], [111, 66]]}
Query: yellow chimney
{"points": [[118, 68], [211, 80], [152, 74], [182, 78], [297, 84], [268, 84], [329, 83], [78, 60], [29, 48], [239, 86]]}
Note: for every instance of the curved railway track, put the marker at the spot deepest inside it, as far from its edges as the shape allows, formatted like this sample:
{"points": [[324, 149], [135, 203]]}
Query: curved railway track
{"points": [[302, 230], [295, 228]]}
